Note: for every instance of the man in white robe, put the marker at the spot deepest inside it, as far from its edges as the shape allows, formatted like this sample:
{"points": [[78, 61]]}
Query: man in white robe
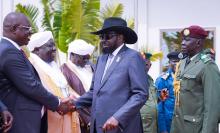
{"points": [[78, 72], [42, 56]]}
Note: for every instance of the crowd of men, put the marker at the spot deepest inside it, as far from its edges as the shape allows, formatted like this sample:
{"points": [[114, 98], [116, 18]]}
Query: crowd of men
{"points": [[116, 94]]}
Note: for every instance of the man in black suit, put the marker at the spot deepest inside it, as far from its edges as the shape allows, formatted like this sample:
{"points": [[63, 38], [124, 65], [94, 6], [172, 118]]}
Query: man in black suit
{"points": [[20, 86], [5, 118]]}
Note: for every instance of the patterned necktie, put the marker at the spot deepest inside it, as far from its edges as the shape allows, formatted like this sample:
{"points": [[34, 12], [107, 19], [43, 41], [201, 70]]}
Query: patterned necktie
{"points": [[22, 51]]}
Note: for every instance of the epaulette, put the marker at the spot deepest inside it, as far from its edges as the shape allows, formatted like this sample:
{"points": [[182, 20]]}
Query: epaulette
{"points": [[205, 58], [165, 75]]}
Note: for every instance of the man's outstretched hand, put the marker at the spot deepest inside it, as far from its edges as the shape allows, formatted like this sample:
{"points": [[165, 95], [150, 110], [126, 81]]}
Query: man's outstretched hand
{"points": [[65, 106], [7, 121]]}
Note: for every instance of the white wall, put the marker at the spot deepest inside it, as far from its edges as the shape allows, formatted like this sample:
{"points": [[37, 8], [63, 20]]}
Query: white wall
{"points": [[165, 14], [153, 15], [128, 12], [7, 6]]}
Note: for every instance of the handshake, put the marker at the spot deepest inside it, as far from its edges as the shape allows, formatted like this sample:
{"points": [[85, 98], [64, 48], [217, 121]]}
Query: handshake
{"points": [[66, 105]]}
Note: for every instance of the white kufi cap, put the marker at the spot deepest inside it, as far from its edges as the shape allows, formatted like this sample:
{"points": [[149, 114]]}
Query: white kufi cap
{"points": [[39, 39], [80, 47]]}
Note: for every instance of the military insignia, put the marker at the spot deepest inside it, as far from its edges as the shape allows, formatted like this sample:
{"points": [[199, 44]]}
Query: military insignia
{"points": [[180, 55], [205, 58], [186, 32]]}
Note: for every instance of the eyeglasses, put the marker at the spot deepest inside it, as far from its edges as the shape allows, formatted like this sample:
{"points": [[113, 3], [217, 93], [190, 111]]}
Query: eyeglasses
{"points": [[107, 36], [26, 28]]}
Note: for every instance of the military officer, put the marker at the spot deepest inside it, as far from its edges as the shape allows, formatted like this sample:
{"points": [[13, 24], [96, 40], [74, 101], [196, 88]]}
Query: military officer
{"points": [[197, 107], [149, 110], [164, 85]]}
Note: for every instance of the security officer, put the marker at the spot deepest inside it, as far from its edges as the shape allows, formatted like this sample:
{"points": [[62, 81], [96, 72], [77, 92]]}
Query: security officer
{"points": [[164, 85], [149, 110], [197, 107]]}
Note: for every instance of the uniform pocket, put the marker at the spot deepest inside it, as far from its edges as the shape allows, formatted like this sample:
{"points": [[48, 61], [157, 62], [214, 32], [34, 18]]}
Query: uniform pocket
{"points": [[192, 123], [189, 82]]}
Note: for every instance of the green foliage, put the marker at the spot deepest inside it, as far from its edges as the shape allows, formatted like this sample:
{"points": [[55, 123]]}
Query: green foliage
{"points": [[74, 19], [78, 23], [47, 17], [115, 10], [173, 40], [112, 10], [130, 23], [31, 12]]}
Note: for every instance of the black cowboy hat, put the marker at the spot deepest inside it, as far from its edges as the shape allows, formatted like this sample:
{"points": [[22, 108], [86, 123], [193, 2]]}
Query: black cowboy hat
{"points": [[120, 26]]}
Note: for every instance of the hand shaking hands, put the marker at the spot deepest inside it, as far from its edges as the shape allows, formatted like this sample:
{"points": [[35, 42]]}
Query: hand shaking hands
{"points": [[66, 105], [7, 120]]}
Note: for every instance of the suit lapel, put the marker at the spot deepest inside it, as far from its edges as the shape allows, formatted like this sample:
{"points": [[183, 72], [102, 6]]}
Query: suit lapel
{"points": [[101, 67], [115, 63], [24, 57]]}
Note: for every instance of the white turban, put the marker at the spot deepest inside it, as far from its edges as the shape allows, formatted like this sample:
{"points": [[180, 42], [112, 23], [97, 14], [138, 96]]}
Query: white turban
{"points": [[80, 47], [39, 39]]}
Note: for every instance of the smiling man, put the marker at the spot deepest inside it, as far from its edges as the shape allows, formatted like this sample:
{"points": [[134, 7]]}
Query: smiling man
{"points": [[197, 108], [42, 57]]}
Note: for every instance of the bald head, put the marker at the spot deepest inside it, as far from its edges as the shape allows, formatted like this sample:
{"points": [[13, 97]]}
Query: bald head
{"points": [[13, 19], [16, 27]]}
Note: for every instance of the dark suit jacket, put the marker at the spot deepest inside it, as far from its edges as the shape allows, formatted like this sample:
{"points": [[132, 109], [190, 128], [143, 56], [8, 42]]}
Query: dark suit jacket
{"points": [[21, 90], [121, 94], [2, 107]]}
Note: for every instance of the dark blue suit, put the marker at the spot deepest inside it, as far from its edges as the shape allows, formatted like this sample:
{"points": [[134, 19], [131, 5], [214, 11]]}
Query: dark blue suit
{"points": [[21, 90], [2, 107], [121, 93]]}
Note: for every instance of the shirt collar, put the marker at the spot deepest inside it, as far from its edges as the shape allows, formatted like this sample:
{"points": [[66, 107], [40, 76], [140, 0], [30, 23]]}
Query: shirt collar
{"points": [[14, 43], [117, 50], [192, 58]]}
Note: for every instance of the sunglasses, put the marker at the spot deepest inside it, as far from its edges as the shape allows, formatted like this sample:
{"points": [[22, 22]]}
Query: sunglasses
{"points": [[107, 36]]}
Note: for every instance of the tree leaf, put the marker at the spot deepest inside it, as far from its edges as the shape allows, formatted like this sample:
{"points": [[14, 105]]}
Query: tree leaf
{"points": [[31, 12]]}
